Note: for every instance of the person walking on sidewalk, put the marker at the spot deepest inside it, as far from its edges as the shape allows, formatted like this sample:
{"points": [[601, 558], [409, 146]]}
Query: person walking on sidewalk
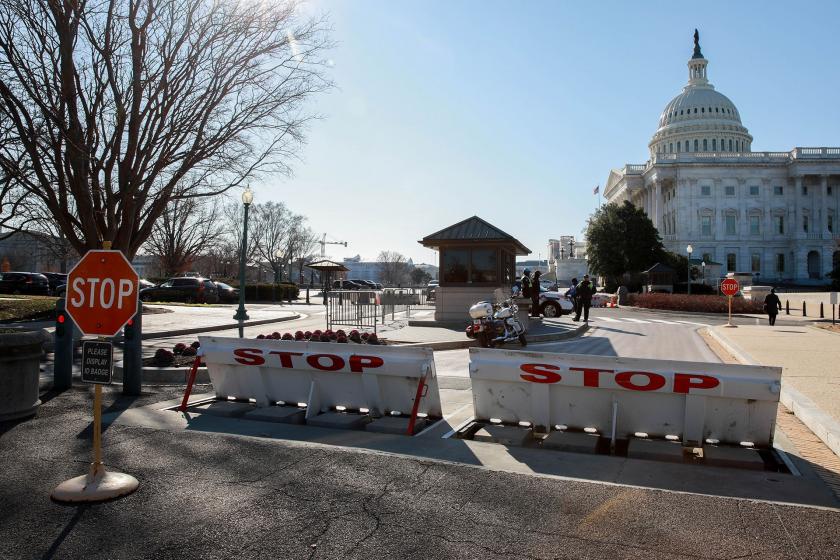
{"points": [[535, 294], [585, 290], [772, 305]]}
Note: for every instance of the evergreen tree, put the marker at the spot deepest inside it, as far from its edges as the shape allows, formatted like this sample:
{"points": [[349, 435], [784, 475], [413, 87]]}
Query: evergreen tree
{"points": [[621, 239]]}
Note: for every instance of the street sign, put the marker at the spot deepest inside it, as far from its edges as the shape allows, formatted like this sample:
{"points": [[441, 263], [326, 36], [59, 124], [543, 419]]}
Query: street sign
{"points": [[97, 362], [833, 298], [102, 292], [729, 287]]}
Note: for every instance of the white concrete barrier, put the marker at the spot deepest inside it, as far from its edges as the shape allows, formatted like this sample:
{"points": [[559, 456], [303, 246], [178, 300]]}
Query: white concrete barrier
{"points": [[620, 397], [322, 374]]}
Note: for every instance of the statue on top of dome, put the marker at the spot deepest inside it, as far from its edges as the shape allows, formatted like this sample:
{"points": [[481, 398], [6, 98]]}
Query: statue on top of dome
{"points": [[697, 53]]}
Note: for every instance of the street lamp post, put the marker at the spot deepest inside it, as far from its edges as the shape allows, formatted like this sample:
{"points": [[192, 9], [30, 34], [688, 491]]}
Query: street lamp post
{"points": [[241, 315], [689, 250], [703, 264]]}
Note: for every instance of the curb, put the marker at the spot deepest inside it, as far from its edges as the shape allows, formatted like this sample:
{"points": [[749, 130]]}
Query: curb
{"points": [[196, 330], [164, 375], [822, 424], [469, 343]]}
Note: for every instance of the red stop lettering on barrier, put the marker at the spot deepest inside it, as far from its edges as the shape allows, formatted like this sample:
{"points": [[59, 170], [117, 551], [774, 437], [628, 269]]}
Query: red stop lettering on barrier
{"points": [[540, 373], [286, 357], [590, 375], [359, 363], [249, 356], [654, 380], [683, 382], [314, 360]]}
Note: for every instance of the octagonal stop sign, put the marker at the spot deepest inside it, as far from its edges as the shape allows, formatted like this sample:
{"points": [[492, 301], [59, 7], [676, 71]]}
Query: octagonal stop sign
{"points": [[729, 287], [102, 292]]}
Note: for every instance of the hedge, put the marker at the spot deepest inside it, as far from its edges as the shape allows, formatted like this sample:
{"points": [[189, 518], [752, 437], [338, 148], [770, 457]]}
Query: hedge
{"points": [[262, 292], [695, 303]]}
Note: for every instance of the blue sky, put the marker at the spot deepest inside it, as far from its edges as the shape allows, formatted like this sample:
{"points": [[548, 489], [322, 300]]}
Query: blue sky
{"points": [[515, 111]]}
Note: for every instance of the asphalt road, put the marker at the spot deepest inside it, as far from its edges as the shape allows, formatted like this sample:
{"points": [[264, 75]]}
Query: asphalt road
{"points": [[616, 332], [206, 495], [210, 495]]}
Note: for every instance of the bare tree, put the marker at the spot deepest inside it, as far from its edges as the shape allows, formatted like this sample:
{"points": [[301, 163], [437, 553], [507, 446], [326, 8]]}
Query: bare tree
{"points": [[393, 268], [272, 225], [184, 231], [118, 107], [16, 209], [306, 245]]}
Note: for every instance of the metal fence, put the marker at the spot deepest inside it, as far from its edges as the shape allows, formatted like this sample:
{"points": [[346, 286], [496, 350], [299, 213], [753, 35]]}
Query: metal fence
{"points": [[353, 308], [369, 308]]}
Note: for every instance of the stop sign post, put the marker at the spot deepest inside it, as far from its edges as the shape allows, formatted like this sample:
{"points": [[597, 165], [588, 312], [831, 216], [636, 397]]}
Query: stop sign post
{"points": [[101, 297], [729, 288]]}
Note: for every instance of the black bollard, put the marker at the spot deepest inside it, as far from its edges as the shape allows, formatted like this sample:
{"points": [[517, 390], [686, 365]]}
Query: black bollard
{"points": [[804, 312], [63, 357], [133, 355], [822, 315], [787, 307]]}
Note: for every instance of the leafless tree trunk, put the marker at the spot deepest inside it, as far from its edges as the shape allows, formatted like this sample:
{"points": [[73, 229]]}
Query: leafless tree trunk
{"points": [[115, 108], [185, 230]]}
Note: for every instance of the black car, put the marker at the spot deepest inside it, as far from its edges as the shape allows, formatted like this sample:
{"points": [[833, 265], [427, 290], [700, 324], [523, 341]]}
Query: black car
{"points": [[367, 284], [187, 290], [55, 279], [227, 294], [30, 283], [348, 285]]}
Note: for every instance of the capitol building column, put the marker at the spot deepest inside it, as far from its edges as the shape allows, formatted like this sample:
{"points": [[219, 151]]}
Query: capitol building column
{"points": [[800, 262], [824, 205]]}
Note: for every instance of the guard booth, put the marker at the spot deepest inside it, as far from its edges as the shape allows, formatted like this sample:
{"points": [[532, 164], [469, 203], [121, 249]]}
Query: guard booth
{"points": [[475, 258]]}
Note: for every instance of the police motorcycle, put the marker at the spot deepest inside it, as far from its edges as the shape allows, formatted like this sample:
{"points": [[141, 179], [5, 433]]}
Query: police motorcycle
{"points": [[493, 324]]}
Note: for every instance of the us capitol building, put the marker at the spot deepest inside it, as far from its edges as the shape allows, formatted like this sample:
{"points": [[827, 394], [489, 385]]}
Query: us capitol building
{"points": [[774, 214]]}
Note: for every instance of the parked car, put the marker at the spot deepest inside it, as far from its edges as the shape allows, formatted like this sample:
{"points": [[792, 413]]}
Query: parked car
{"points": [[347, 285], [56, 279], [227, 294], [367, 284], [552, 303], [30, 283], [186, 289]]}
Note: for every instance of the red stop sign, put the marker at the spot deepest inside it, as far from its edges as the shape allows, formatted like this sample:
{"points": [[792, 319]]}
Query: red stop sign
{"points": [[102, 293], [730, 287]]}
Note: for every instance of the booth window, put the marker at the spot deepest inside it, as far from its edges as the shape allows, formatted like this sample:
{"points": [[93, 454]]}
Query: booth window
{"points": [[456, 265], [475, 266], [485, 268]]}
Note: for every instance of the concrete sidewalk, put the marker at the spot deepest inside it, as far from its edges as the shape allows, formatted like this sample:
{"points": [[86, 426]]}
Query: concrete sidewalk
{"points": [[809, 357]]}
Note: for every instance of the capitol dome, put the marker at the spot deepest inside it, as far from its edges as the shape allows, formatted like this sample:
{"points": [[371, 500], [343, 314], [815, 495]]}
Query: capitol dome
{"points": [[700, 119]]}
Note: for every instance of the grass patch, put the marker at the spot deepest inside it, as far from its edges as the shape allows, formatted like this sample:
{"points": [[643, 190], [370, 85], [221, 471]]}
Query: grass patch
{"points": [[27, 308]]}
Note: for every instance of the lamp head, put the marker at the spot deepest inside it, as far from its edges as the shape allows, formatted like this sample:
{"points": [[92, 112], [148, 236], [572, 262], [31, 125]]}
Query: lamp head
{"points": [[689, 249], [247, 196]]}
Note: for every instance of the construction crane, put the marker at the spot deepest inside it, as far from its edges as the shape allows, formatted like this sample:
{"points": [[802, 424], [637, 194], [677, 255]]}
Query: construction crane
{"points": [[324, 244]]}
